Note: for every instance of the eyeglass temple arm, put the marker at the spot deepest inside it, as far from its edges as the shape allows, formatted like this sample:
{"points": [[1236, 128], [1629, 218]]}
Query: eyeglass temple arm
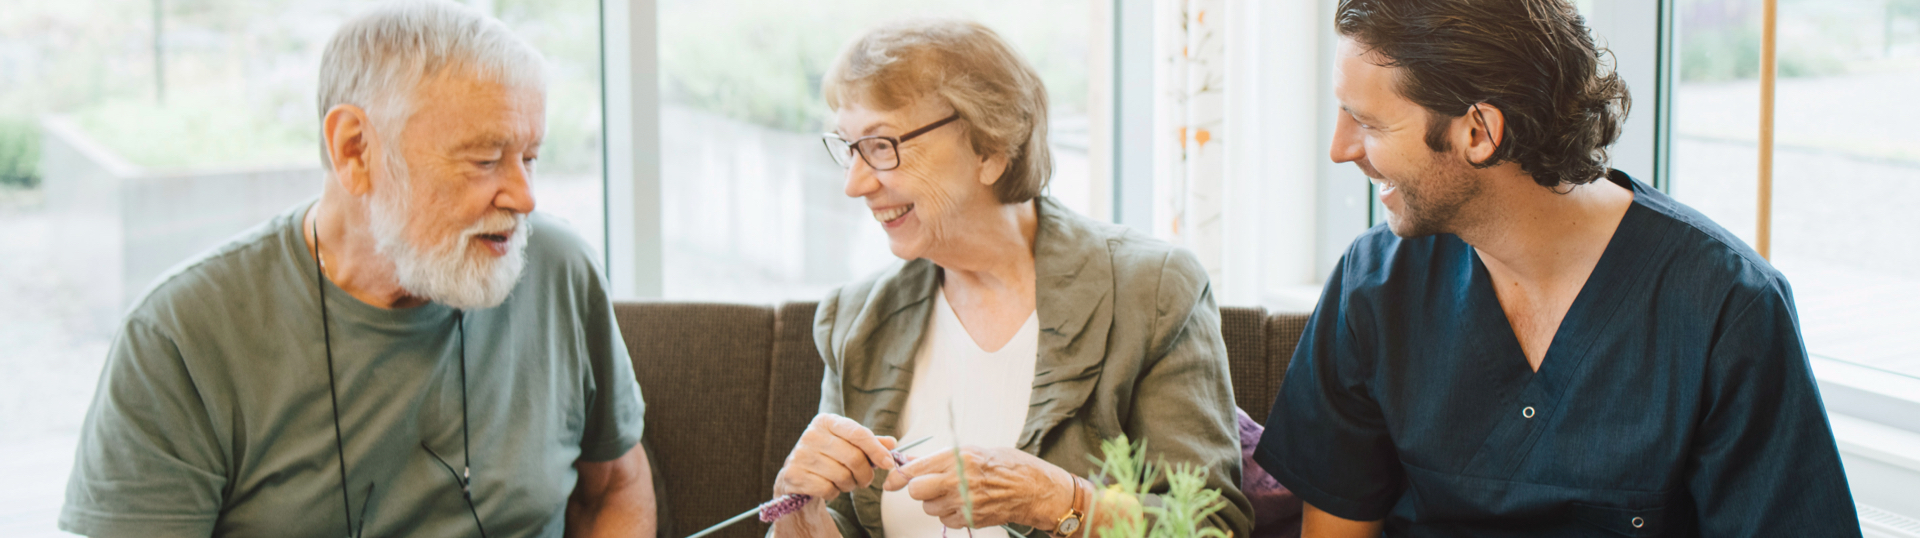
{"points": [[930, 127]]}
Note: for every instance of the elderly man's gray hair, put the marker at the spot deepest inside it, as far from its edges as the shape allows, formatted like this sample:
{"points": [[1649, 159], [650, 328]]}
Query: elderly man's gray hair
{"points": [[379, 57]]}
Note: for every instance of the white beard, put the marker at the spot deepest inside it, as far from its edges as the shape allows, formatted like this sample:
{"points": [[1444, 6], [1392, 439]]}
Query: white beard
{"points": [[448, 271]]}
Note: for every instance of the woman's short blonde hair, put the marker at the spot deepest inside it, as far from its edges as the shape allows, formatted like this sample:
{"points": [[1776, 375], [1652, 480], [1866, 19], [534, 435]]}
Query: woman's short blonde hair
{"points": [[971, 68]]}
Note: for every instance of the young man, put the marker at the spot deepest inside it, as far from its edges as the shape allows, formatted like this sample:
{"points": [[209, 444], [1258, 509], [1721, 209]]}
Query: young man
{"points": [[1534, 345], [401, 357]]}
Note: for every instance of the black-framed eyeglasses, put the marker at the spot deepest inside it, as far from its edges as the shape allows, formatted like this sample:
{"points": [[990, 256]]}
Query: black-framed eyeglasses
{"points": [[881, 152]]}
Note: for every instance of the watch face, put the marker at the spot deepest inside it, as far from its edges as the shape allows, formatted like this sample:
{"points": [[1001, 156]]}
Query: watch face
{"points": [[1069, 525]]}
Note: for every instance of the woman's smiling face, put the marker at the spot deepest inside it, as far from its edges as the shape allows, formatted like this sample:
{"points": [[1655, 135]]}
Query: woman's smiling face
{"points": [[926, 201]]}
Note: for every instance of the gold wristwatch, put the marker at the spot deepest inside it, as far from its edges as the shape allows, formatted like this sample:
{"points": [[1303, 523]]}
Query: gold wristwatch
{"points": [[1071, 521]]}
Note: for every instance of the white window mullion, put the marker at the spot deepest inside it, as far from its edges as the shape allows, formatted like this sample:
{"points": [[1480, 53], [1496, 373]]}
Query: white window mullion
{"points": [[1637, 33], [1133, 114], [630, 87], [1273, 104]]}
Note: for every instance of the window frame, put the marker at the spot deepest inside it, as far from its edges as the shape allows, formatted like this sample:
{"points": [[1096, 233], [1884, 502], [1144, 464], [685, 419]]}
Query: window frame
{"points": [[635, 257]]}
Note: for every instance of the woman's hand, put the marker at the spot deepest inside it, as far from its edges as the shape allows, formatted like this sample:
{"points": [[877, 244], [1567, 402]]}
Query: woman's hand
{"points": [[1006, 484], [835, 455]]}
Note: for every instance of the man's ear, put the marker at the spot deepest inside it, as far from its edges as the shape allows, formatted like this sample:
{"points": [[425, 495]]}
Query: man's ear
{"points": [[1484, 128], [346, 129]]}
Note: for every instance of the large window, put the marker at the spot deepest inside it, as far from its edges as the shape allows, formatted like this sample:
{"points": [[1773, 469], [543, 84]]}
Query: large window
{"points": [[1846, 159], [135, 134], [752, 206]]}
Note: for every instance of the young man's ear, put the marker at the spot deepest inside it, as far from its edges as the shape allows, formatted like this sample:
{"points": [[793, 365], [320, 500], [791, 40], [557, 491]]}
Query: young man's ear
{"points": [[1481, 131], [346, 131]]}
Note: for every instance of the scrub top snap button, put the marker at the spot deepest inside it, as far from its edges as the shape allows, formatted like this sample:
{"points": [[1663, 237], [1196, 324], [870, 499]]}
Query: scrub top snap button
{"points": [[1528, 412], [1637, 523]]}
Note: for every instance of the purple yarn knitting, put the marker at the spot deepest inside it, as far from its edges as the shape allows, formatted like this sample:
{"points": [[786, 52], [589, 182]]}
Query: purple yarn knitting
{"points": [[782, 506], [792, 502]]}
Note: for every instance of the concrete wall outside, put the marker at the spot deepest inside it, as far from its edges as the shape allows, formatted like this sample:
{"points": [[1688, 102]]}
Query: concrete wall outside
{"points": [[168, 219], [123, 226], [82, 183]]}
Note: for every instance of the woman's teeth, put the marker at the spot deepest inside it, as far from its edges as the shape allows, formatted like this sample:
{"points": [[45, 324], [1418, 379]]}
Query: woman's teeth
{"points": [[887, 215]]}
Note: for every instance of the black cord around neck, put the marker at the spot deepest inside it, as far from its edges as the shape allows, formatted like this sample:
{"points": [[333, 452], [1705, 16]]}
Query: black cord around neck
{"points": [[333, 394], [464, 478]]}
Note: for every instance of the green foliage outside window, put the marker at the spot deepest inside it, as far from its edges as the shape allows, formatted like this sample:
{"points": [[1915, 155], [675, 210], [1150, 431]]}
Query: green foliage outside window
{"points": [[239, 77], [19, 153], [761, 61], [1733, 53], [1721, 41]]}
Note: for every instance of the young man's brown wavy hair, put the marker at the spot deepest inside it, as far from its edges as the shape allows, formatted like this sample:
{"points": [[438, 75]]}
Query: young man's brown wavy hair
{"points": [[1532, 59]]}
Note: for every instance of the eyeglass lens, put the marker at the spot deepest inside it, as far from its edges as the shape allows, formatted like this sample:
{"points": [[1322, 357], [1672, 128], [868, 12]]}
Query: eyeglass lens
{"points": [[841, 151], [879, 153]]}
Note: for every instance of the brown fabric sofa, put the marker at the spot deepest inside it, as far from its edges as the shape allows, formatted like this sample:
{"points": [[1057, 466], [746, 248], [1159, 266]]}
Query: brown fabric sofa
{"points": [[729, 388]]}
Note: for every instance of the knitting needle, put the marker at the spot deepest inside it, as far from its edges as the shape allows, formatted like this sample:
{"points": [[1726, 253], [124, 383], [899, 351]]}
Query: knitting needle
{"points": [[756, 510]]}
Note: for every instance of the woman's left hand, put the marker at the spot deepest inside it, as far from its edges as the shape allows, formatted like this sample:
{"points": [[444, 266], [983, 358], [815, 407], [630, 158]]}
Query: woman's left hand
{"points": [[1006, 484]]}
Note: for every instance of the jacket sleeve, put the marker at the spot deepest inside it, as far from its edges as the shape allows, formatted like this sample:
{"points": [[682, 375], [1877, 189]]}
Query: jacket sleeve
{"points": [[824, 317], [1184, 405]]}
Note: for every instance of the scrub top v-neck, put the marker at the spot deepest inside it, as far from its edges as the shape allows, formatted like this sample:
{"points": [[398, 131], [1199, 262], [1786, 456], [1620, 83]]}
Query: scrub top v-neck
{"points": [[1674, 400]]}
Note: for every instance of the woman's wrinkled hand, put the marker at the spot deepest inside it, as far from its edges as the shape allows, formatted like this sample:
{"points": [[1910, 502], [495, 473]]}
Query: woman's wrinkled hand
{"points": [[1006, 486], [835, 455]]}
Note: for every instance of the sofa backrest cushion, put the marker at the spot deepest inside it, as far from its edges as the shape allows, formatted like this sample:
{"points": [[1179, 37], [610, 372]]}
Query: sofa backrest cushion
{"points": [[729, 389], [796, 385], [703, 370]]}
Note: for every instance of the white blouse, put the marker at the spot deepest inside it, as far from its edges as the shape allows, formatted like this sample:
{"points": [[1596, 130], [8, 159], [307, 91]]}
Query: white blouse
{"points": [[994, 388]]}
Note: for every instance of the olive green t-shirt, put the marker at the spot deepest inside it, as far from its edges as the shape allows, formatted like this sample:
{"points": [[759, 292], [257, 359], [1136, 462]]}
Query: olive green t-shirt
{"points": [[213, 418]]}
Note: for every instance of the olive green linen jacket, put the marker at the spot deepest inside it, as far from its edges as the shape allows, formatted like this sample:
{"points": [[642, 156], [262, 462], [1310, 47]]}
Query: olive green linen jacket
{"points": [[1129, 344]]}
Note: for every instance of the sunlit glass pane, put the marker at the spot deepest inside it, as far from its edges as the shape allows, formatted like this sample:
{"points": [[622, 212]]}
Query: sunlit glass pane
{"points": [[1846, 159]]}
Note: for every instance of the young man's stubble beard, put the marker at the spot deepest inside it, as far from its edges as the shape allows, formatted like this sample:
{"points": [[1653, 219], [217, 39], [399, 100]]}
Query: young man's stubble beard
{"points": [[1437, 202]]}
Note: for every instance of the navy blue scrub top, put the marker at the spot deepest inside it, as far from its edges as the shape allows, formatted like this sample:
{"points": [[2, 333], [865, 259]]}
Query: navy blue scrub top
{"points": [[1675, 399]]}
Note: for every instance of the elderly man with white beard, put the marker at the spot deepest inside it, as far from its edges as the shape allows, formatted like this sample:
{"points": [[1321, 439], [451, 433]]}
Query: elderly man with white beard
{"points": [[415, 353]]}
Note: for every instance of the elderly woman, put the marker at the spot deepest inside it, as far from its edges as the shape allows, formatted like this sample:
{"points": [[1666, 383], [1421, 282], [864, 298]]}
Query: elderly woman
{"points": [[1016, 330]]}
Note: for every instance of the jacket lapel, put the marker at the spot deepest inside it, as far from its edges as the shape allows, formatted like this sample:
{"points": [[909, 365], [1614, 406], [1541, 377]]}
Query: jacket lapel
{"points": [[877, 366], [878, 357], [1073, 294], [1073, 271]]}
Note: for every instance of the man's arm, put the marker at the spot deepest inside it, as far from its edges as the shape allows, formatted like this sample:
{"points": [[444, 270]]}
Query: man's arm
{"points": [[149, 461], [1318, 524], [1764, 457], [613, 498], [1327, 438]]}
